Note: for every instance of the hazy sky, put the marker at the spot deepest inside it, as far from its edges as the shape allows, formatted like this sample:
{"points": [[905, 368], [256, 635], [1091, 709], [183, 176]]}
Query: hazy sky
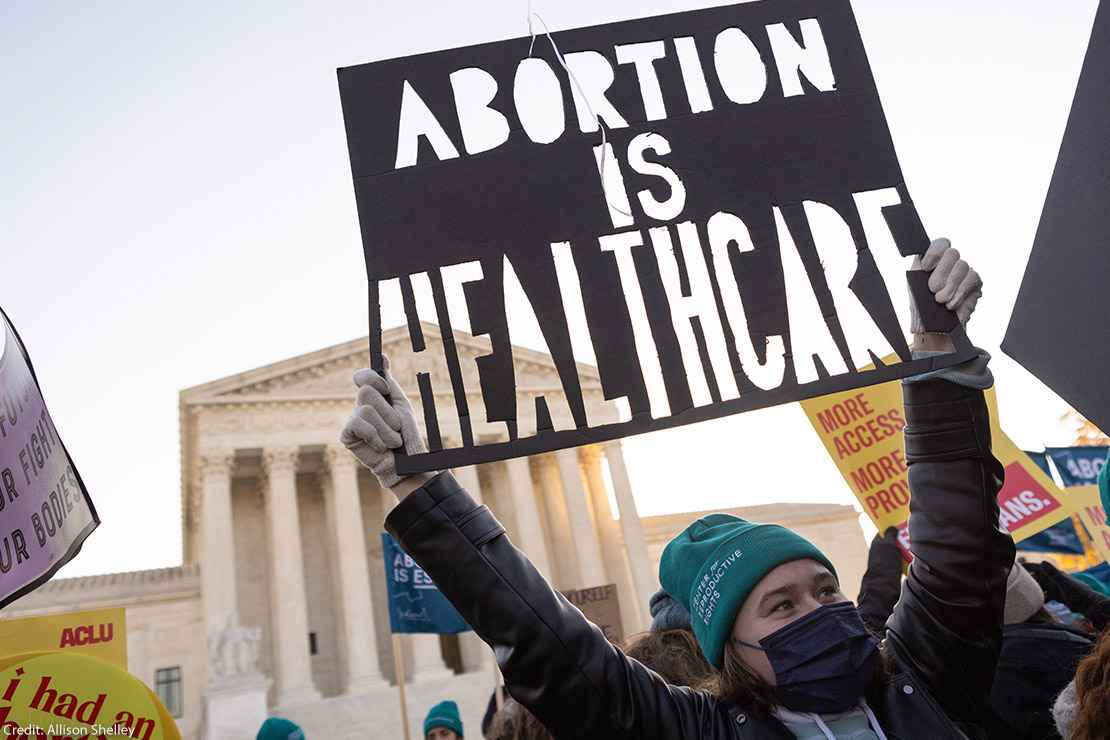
{"points": [[177, 207]]}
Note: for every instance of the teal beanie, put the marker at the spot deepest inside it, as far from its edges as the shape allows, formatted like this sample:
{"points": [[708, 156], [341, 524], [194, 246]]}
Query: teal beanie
{"points": [[279, 728], [444, 714], [1104, 487], [712, 566]]}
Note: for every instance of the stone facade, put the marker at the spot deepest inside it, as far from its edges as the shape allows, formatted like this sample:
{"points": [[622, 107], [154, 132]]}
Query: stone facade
{"points": [[282, 555]]}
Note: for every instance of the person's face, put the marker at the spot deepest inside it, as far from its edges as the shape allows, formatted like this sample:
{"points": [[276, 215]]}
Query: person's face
{"points": [[787, 593], [442, 733]]}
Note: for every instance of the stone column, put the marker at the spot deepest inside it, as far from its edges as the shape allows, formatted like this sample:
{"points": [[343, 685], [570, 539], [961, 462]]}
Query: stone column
{"points": [[287, 592], [356, 608], [564, 556], [591, 568], [529, 530], [217, 564], [633, 613], [643, 577], [476, 655], [427, 659]]}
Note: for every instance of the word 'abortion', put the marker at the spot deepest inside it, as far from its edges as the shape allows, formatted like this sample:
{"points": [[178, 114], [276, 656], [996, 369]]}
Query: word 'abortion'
{"points": [[738, 70]]}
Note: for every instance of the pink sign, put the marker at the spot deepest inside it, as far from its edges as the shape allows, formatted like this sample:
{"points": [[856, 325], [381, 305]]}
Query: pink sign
{"points": [[45, 510]]}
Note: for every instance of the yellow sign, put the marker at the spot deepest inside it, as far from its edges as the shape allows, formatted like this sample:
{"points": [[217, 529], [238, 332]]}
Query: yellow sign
{"points": [[862, 432], [1089, 507], [60, 694], [101, 634]]}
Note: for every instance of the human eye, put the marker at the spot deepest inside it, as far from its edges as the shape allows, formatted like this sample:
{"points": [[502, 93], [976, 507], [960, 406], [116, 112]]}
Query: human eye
{"points": [[782, 606], [828, 591]]}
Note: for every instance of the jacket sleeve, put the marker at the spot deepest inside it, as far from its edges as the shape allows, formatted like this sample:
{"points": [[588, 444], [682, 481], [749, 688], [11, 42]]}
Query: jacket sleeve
{"points": [[555, 662], [878, 591], [947, 625]]}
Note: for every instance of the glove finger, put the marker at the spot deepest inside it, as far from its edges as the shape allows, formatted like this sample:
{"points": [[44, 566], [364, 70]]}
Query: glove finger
{"points": [[940, 273], [952, 282], [397, 396], [369, 396], [414, 440], [970, 284], [965, 309], [366, 376], [391, 438], [933, 254], [361, 432]]}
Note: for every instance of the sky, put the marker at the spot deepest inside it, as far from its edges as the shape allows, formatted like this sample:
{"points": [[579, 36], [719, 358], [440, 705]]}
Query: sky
{"points": [[177, 207]]}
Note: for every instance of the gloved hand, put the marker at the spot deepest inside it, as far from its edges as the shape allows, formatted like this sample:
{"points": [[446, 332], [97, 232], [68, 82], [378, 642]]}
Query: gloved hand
{"points": [[952, 281], [383, 421], [1059, 586]]}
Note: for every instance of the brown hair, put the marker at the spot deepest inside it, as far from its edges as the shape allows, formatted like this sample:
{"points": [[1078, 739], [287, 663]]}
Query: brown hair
{"points": [[674, 655], [740, 685], [514, 722], [1092, 693]]}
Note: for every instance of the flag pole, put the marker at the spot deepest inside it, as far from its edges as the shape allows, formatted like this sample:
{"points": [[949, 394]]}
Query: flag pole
{"points": [[498, 691], [399, 672]]}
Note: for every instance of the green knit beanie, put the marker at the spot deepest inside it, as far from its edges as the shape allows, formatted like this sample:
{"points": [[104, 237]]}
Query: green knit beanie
{"points": [[712, 566], [279, 728], [444, 714], [1104, 487]]}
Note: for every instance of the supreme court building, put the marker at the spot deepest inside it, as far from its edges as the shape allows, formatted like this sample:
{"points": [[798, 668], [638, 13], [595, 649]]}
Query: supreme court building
{"points": [[280, 603]]}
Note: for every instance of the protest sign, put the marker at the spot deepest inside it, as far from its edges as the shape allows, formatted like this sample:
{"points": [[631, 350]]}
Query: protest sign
{"points": [[600, 605], [1059, 538], [101, 634], [1078, 466], [1058, 326], [862, 432], [44, 507], [699, 203], [416, 606], [1089, 507], [63, 695]]}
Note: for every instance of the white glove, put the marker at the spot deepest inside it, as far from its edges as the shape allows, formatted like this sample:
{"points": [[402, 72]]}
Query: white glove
{"points": [[383, 421], [952, 281]]}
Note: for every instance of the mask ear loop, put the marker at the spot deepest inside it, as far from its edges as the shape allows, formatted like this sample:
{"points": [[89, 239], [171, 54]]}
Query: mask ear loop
{"points": [[581, 94], [749, 645]]}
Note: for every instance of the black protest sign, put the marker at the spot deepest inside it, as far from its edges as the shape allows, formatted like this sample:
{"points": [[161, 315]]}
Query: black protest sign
{"points": [[695, 275], [1058, 327], [45, 510], [601, 605]]}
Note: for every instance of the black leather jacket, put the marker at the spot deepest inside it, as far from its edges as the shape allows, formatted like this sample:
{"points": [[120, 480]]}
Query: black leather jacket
{"points": [[942, 639]]}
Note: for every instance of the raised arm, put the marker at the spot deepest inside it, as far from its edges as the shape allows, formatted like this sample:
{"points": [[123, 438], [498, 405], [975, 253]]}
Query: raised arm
{"points": [[948, 620], [878, 591], [555, 662]]}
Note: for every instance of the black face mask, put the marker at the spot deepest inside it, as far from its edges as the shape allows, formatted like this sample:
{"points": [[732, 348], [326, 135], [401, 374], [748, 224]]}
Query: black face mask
{"points": [[823, 662]]}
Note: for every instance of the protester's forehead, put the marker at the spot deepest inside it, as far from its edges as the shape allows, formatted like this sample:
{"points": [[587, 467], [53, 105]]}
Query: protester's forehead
{"points": [[794, 573]]}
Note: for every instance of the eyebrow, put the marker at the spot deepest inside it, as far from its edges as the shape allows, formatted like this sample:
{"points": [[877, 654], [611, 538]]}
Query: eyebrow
{"points": [[819, 579], [781, 591]]}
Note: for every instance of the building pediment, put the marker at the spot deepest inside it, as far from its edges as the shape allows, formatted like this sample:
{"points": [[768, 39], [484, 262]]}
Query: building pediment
{"points": [[327, 373]]}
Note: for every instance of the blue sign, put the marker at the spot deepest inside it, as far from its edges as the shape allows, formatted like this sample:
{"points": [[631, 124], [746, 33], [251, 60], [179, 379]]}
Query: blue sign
{"points": [[1060, 537], [1078, 466], [1041, 458], [416, 606], [1057, 538]]}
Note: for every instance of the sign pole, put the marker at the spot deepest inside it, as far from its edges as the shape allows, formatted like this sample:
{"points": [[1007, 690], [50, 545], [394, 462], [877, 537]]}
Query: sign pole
{"points": [[399, 671], [498, 691]]}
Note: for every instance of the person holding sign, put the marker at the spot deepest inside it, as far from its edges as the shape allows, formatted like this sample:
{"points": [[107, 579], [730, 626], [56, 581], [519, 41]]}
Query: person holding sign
{"points": [[795, 658]]}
